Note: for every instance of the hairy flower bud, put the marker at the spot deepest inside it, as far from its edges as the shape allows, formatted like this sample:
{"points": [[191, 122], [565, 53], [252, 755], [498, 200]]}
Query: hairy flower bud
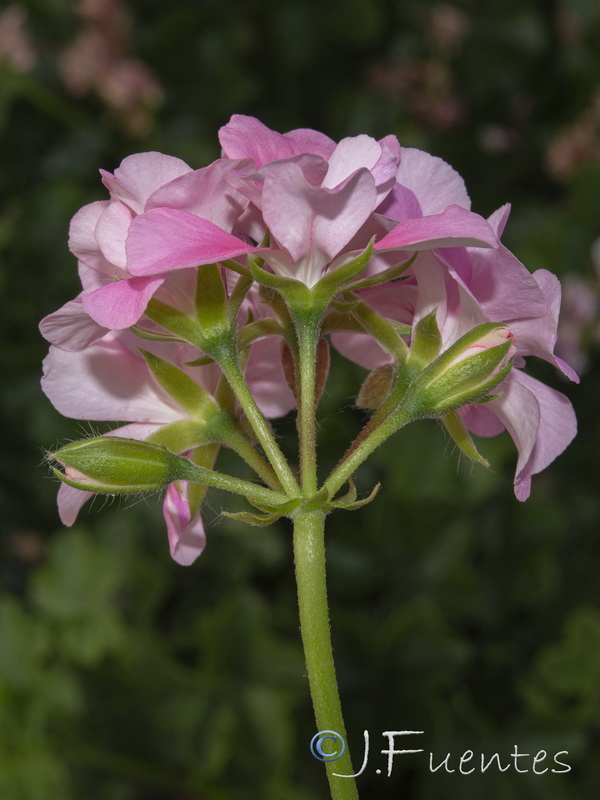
{"points": [[113, 465], [466, 372]]}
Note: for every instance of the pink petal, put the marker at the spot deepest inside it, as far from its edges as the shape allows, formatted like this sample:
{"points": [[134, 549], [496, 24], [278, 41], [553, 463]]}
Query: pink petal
{"points": [[351, 154], [305, 140], [246, 137], [537, 336], [556, 429], [311, 223], [120, 304], [82, 239], [71, 328], [186, 534], [264, 374], [111, 232], [504, 288], [519, 411], [105, 382], [139, 175], [435, 184], [453, 228], [164, 239], [206, 193]]}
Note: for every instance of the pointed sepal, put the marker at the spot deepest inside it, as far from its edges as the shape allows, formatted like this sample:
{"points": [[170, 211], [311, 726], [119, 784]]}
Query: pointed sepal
{"points": [[462, 438]]}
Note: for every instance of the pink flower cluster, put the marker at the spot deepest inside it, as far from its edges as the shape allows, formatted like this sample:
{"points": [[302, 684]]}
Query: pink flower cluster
{"points": [[321, 203]]}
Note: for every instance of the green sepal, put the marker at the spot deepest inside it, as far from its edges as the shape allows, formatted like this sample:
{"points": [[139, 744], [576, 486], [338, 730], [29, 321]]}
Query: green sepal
{"points": [[383, 331], [181, 435], [200, 362], [185, 391], [283, 508], [270, 280], [256, 520], [237, 296], [384, 277], [211, 302], [173, 320], [426, 340], [335, 280], [462, 438], [154, 337], [352, 505]]}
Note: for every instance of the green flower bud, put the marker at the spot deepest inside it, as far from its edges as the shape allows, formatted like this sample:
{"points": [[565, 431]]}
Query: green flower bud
{"points": [[465, 373], [112, 465]]}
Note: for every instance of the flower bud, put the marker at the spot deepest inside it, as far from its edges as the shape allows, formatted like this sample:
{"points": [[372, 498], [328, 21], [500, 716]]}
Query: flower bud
{"points": [[113, 465], [466, 372]]}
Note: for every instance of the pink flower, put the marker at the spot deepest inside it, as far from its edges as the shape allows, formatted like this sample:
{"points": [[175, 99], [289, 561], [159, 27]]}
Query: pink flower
{"points": [[112, 296], [320, 205], [109, 380], [467, 287]]}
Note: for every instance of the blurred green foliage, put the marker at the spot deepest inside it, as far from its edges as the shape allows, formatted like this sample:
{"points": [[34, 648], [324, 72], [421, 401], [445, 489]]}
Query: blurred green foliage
{"points": [[455, 610]]}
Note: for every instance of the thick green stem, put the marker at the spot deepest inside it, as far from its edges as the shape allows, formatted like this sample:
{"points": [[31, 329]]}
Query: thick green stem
{"points": [[309, 553], [228, 362], [306, 368]]}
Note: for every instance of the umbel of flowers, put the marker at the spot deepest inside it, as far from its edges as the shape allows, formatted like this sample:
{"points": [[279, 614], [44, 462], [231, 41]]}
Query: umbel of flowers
{"points": [[209, 302]]}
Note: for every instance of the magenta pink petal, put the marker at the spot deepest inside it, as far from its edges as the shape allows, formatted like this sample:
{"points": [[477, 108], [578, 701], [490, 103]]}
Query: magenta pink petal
{"points": [[186, 534], [164, 239], [452, 228], [120, 304], [71, 328]]}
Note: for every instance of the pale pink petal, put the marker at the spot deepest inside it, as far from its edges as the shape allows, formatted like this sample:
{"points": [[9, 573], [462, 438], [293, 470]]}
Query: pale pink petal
{"points": [[504, 288], [519, 411], [537, 336], [164, 239], [246, 137], [555, 429], [111, 233], [82, 239], [481, 421], [139, 175], [314, 224], [360, 349], [206, 193], [186, 534], [351, 154], [264, 374], [71, 328], [305, 140], [120, 304], [105, 381], [453, 228], [499, 219], [70, 502], [435, 184]]}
